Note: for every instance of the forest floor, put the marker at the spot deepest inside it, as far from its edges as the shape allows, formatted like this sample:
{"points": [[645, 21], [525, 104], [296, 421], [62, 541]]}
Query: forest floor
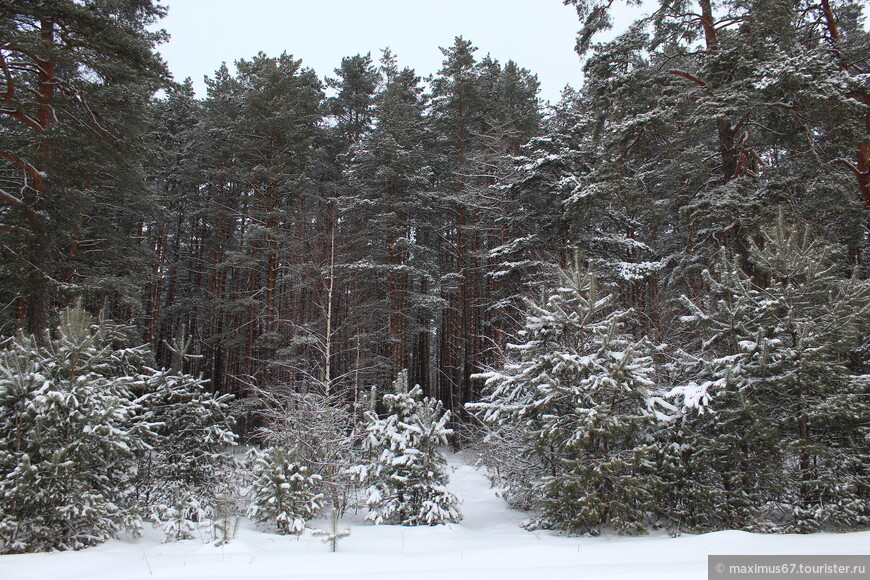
{"points": [[488, 544]]}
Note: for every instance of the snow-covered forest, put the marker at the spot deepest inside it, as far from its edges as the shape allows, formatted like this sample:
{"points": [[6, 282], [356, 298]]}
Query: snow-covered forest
{"points": [[287, 304]]}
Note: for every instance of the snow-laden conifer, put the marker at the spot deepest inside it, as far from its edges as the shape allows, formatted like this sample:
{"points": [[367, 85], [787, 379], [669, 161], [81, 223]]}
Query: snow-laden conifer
{"points": [[285, 493], [578, 385], [319, 429], [407, 472], [773, 423], [187, 467], [68, 433], [180, 517]]}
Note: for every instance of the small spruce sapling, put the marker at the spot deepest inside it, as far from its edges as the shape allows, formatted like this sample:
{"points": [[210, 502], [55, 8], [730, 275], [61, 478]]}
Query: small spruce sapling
{"points": [[225, 518], [180, 519]]}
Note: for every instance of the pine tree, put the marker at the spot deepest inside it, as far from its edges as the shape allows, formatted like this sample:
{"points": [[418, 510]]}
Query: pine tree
{"points": [[508, 243], [390, 204], [285, 493], [222, 201], [70, 427], [352, 106], [246, 276], [225, 517], [76, 78], [705, 117], [170, 233], [321, 433], [578, 385], [550, 169], [456, 114], [724, 460], [782, 410], [408, 473], [273, 153], [187, 467]]}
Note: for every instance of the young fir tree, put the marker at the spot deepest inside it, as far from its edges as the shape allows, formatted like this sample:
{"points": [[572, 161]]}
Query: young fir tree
{"points": [[408, 473], [333, 535], [578, 384], [180, 517], [68, 433], [775, 421], [285, 493]]}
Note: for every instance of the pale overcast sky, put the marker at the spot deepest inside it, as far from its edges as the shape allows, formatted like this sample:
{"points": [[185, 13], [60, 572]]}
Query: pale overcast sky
{"points": [[537, 34]]}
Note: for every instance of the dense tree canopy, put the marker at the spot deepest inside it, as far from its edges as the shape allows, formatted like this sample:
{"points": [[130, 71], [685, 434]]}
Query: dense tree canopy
{"points": [[77, 78]]}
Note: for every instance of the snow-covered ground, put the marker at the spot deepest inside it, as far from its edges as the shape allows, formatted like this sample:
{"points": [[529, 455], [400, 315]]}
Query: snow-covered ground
{"points": [[488, 543]]}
